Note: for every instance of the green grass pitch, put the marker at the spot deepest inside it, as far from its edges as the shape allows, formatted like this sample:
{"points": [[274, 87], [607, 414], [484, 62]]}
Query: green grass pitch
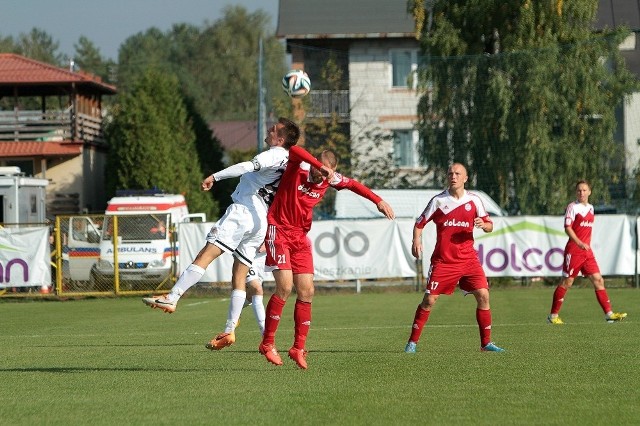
{"points": [[115, 361]]}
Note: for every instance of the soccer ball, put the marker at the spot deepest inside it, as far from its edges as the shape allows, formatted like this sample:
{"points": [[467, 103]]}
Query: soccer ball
{"points": [[296, 83]]}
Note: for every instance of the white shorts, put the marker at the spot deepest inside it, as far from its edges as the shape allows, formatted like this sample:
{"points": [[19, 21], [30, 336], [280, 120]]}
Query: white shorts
{"points": [[240, 232], [256, 272]]}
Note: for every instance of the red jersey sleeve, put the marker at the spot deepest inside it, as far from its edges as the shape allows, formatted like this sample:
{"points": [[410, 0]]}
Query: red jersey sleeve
{"points": [[341, 182], [298, 155]]}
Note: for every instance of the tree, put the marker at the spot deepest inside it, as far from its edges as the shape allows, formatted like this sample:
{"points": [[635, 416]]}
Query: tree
{"points": [[216, 64], [519, 92], [210, 155], [39, 45], [329, 132], [141, 52], [326, 132], [152, 142], [8, 45], [228, 65], [89, 59]]}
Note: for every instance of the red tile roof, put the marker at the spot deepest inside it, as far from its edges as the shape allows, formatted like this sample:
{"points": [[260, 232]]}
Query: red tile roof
{"points": [[33, 149], [19, 70], [236, 135]]}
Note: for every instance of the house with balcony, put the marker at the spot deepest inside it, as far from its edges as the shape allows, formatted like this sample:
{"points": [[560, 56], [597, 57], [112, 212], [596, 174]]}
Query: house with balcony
{"points": [[51, 127], [374, 46]]}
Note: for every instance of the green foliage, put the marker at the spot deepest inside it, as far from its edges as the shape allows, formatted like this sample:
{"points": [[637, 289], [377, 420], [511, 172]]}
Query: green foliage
{"points": [[115, 361], [210, 156], [216, 64], [520, 93], [8, 45], [153, 144], [89, 59], [322, 133], [39, 45], [329, 133]]}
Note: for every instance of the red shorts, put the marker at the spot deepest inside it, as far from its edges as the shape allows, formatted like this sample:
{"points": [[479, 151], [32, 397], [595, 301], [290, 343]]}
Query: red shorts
{"points": [[583, 261], [288, 248], [443, 277]]}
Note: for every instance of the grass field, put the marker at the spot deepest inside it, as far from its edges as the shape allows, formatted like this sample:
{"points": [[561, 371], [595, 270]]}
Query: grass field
{"points": [[115, 361]]}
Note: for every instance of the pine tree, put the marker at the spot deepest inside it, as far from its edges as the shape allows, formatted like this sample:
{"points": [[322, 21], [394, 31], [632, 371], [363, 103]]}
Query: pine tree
{"points": [[152, 142], [89, 59]]}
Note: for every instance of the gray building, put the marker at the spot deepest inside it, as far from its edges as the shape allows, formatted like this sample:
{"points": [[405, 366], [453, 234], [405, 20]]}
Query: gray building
{"points": [[373, 43]]}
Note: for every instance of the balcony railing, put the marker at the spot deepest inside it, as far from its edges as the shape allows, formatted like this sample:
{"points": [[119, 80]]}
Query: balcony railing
{"points": [[53, 126], [324, 103]]}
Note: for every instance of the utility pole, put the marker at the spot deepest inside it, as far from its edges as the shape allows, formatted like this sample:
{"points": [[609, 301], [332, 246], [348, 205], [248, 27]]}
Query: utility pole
{"points": [[261, 106]]}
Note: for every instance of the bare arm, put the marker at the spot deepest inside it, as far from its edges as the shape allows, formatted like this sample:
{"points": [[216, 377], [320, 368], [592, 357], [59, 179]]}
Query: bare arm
{"points": [[207, 183], [485, 226], [416, 245], [364, 191], [385, 209], [573, 237]]}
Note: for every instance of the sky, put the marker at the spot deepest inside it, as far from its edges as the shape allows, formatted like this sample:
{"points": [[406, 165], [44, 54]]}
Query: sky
{"points": [[108, 23]]}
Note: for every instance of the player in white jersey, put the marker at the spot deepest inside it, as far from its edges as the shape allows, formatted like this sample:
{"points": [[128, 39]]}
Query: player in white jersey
{"points": [[454, 261], [255, 292], [242, 229]]}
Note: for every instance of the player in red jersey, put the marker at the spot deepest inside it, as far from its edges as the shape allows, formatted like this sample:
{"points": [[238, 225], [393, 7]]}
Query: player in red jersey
{"points": [[288, 247], [578, 256], [454, 261]]}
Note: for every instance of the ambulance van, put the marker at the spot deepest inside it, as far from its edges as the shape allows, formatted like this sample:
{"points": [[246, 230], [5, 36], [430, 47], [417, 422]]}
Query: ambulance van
{"points": [[139, 233]]}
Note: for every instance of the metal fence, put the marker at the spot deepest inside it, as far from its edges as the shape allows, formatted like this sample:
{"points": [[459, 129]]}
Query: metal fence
{"points": [[107, 255], [115, 254]]}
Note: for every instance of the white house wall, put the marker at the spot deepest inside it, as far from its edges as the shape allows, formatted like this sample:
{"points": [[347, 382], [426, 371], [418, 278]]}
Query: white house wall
{"points": [[373, 101]]}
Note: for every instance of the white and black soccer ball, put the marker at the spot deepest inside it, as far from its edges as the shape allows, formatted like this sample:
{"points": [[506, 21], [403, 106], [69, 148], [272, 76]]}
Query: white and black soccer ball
{"points": [[296, 83]]}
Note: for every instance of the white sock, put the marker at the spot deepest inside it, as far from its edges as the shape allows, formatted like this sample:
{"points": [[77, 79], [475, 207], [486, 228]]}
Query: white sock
{"points": [[187, 279], [235, 309], [258, 310]]}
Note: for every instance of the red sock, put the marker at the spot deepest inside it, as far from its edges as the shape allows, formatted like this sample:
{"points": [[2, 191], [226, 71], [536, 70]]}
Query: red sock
{"points": [[419, 321], [483, 317], [272, 319], [302, 320], [603, 300], [558, 298]]}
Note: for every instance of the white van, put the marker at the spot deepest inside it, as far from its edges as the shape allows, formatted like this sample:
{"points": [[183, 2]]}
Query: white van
{"points": [[145, 248], [407, 203]]}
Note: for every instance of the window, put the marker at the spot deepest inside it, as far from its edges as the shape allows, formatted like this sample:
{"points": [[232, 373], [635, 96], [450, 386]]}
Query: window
{"points": [[405, 150], [404, 63]]}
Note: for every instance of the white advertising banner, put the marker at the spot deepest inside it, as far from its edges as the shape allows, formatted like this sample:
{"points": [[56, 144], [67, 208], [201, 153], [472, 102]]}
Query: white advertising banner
{"points": [[191, 238], [519, 246], [349, 250], [342, 250], [25, 257], [533, 246]]}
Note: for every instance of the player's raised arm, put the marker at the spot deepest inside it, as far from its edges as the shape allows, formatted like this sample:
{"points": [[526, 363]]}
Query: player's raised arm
{"points": [[207, 183], [363, 191], [385, 209]]}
